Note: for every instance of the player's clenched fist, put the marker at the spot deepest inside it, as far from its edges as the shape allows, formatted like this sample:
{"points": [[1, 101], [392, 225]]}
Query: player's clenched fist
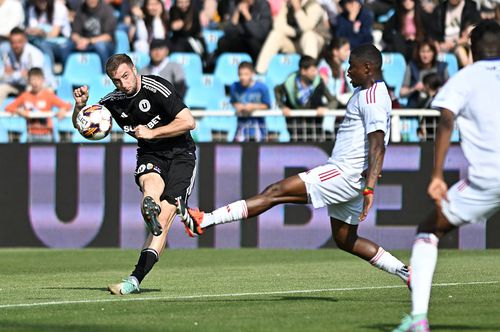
{"points": [[143, 132], [81, 95]]}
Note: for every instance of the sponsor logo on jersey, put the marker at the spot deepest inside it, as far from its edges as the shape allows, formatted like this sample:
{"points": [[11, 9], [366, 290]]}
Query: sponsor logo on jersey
{"points": [[149, 166], [151, 124], [128, 128], [144, 105]]}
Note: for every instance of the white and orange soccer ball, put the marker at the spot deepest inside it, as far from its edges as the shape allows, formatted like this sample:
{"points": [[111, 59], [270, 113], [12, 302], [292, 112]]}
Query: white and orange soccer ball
{"points": [[94, 122]]}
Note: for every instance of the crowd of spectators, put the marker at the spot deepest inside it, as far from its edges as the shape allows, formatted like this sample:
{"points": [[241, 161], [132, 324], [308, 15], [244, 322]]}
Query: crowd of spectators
{"points": [[321, 31]]}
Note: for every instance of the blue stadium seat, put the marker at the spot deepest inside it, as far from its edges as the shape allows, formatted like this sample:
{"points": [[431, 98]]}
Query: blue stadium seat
{"points": [[384, 18], [191, 63], [277, 124], [140, 59], [82, 68], [226, 67], [98, 88], [227, 124], [14, 124], [211, 38], [281, 66], [207, 88], [452, 62], [122, 44], [393, 69], [64, 89], [409, 128]]}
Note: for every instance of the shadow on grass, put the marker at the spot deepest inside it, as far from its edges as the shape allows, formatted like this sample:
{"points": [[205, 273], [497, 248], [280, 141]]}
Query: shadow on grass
{"points": [[103, 289], [436, 327], [63, 327]]}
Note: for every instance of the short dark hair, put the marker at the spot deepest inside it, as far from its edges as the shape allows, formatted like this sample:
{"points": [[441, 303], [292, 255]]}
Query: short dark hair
{"points": [[246, 64], [36, 71], [368, 53], [115, 61], [485, 40], [17, 31], [433, 81], [307, 61]]}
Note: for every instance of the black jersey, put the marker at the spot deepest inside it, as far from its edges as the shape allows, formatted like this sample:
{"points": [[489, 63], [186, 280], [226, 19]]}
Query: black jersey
{"points": [[156, 104]]}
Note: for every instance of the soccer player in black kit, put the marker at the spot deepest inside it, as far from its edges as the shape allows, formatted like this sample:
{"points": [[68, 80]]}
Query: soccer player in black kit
{"points": [[148, 108]]}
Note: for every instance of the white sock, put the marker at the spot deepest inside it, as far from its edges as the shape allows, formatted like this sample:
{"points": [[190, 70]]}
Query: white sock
{"points": [[386, 262], [229, 213], [423, 262]]}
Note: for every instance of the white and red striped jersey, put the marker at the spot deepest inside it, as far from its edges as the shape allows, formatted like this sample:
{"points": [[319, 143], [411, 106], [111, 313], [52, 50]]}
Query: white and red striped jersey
{"points": [[473, 95], [367, 111]]}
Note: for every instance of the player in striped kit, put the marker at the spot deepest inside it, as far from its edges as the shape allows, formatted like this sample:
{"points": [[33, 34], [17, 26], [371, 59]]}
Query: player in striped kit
{"points": [[470, 97], [345, 184]]}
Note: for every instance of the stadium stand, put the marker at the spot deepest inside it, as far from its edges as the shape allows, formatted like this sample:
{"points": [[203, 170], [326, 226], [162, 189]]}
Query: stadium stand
{"points": [[81, 68], [281, 66], [211, 38], [204, 90], [226, 67], [192, 65]]}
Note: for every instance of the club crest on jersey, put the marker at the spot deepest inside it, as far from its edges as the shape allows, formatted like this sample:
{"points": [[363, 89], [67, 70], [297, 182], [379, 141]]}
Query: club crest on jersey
{"points": [[144, 105]]}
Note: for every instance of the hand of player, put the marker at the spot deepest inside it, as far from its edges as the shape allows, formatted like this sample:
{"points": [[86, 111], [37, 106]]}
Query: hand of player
{"points": [[367, 204], [81, 95], [437, 190], [143, 132]]}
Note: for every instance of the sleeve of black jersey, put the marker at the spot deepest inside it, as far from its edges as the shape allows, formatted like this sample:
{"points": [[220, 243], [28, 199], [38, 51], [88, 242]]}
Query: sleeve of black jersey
{"points": [[170, 98]]}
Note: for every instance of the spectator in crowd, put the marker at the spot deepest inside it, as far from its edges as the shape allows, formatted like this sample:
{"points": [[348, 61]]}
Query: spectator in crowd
{"points": [[332, 9], [332, 72], [298, 28], [161, 66], [489, 9], [404, 28], [38, 99], [304, 89], [432, 84], [355, 23], [49, 28], [94, 29], [380, 7], [149, 23], [463, 49], [12, 14], [247, 29], [248, 96], [449, 20], [20, 58], [209, 18], [424, 62], [186, 28]]}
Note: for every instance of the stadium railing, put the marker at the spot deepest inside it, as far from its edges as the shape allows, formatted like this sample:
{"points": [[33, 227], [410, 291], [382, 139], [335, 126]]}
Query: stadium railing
{"points": [[407, 125]]}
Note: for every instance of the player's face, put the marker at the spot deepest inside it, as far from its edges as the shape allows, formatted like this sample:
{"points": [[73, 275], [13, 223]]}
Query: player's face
{"points": [[245, 75], [356, 72], [125, 79]]}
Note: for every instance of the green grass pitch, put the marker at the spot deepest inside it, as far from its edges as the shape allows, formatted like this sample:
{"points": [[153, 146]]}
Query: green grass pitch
{"points": [[238, 290]]}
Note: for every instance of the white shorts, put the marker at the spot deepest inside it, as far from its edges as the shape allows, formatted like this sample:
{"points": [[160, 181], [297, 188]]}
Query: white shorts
{"points": [[469, 204], [327, 186]]}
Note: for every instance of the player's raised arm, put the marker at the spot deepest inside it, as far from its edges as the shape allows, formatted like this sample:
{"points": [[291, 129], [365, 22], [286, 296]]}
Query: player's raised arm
{"points": [[376, 152], [81, 95], [438, 188], [182, 123]]}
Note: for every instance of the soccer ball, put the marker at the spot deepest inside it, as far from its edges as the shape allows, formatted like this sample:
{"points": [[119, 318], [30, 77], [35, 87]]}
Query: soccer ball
{"points": [[94, 122]]}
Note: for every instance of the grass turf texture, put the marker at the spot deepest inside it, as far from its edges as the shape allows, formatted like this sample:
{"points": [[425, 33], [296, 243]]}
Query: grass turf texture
{"points": [[30, 276]]}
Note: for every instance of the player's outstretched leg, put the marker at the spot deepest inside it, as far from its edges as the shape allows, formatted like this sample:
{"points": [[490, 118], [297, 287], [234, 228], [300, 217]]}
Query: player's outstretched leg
{"points": [[346, 237], [289, 190], [150, 212], [192, 225]]}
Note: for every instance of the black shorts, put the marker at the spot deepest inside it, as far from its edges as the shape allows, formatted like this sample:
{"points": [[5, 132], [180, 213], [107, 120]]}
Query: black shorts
{"points": [[177, 174]]}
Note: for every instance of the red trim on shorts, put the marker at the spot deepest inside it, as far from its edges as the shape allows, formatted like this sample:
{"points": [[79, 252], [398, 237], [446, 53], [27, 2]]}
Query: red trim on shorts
{"points": [[463, 185], [329, 177]]}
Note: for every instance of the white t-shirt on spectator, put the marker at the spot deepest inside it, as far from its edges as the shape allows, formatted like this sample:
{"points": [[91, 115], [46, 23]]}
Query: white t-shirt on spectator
{"points": [[60, 19], [12, 15], [473, 95]]}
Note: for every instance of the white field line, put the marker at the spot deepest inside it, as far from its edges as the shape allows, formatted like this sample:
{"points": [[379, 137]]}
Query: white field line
{"points": [[205, 296]]}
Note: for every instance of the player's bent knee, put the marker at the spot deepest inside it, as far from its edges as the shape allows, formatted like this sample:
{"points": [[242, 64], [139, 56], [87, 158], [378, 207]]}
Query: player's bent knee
{"points": [[274, 190]]}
